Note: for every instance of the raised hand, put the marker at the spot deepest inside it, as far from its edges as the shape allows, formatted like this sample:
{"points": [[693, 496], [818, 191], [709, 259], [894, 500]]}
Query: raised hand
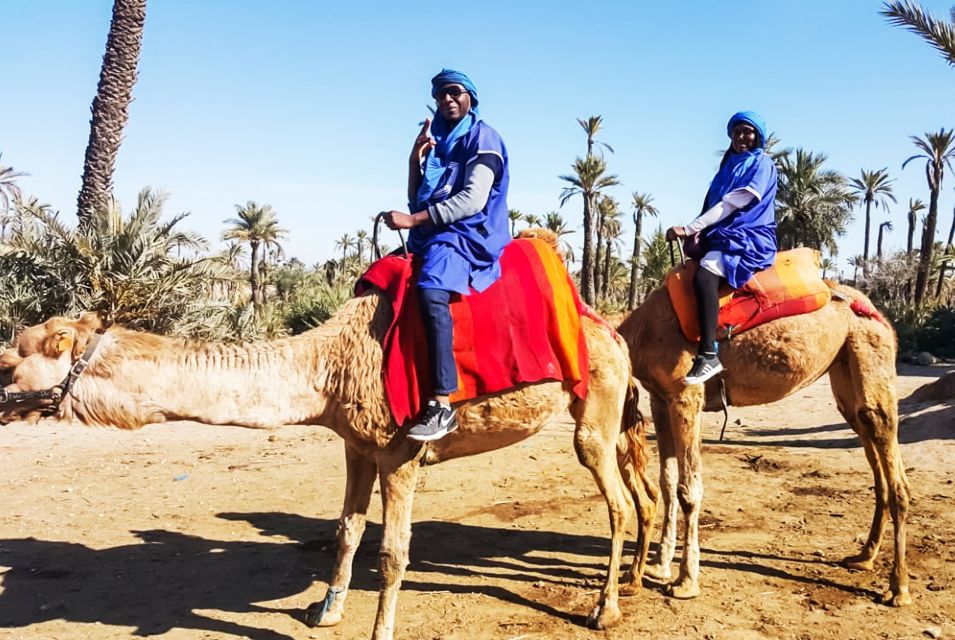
{"points": [[423, 143]]}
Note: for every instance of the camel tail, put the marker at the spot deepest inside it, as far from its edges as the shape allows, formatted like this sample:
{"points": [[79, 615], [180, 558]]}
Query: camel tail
{"points": [[632, 461]]}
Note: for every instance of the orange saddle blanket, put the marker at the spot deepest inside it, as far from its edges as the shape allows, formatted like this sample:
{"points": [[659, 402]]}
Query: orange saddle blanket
{"points": [[523, 328], [790, 287]]}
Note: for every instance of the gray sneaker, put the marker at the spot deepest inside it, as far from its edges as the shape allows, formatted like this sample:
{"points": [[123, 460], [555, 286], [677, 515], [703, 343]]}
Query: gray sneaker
{"points": [[705, 366], [436, 421]]}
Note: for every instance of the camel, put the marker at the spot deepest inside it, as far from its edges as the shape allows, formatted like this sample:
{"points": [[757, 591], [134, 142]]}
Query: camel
{"points": [[331, 376], [763, 365]]}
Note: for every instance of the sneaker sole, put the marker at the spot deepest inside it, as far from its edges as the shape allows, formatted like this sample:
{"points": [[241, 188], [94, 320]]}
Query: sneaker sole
{"points": [[431, 437], [688, 381]]}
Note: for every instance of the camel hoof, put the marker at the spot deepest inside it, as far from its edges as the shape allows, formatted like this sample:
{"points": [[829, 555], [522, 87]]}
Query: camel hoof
{"points": [[858, 563], [901, 599], [603, 616], [325, 613], [631, 588], [685, 590], [658, 572]]}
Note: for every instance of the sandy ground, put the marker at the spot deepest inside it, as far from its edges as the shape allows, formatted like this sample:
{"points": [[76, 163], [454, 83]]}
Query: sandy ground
{"points": [[182, 531]]}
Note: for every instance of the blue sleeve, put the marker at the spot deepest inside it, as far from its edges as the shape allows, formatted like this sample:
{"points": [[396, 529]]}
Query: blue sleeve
{"points": [[488, 146], [763, 178]]}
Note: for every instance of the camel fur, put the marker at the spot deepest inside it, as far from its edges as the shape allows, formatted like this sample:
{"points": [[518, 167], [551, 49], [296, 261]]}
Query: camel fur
{"points": [[763, 365], [331, 376]]}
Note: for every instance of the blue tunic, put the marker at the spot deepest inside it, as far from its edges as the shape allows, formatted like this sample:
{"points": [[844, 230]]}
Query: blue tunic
{"points": [[466, 252], [746, 238]]}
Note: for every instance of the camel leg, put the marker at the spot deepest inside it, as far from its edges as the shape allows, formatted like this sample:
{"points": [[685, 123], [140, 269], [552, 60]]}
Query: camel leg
{"points": [[685, 413], [863, 384], [360, 481], [659, 567], [595, 440], [398, 478], [632, 461]]}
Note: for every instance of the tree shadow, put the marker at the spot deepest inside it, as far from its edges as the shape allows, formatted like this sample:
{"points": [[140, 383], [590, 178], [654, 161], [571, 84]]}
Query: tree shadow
{"points": [[160, 584]]}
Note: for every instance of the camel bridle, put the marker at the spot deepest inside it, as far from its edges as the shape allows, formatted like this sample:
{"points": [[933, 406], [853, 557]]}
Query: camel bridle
{"points": [[56, 393]]}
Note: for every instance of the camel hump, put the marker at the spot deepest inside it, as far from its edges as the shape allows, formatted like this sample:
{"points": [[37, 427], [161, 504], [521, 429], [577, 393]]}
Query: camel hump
{"points": [[942, 390], [546, 235]]}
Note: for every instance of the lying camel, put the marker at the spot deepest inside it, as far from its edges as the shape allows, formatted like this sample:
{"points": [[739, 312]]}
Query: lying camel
{"points": [[331, 376], [763, 365]]}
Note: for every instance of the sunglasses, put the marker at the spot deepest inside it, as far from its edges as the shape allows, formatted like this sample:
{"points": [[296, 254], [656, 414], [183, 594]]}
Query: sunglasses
{"points": [[454, 92]]}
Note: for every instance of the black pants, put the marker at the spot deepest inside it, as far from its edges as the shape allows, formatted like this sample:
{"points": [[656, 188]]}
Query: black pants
{"points": [[706, 284], [439, 331]]}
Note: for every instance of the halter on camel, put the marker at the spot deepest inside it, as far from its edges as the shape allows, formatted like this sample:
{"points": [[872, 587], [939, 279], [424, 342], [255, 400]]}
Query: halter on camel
{"points": [[56, 393]]}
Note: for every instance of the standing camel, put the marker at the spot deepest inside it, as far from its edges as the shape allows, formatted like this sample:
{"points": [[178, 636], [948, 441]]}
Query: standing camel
{"points": [[763, 365], [331, 376]]}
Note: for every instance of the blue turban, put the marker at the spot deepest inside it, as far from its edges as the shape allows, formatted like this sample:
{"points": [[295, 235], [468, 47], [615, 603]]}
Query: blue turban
{"points": [[450, 76], [751, 118]]}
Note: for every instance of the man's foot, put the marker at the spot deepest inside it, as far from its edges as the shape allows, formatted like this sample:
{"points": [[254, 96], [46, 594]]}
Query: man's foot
{"points": [[705, 366], [436, 421]]}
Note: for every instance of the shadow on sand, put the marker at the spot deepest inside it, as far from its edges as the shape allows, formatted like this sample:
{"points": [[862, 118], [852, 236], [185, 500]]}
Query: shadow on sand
{"points": [[161, 583]]}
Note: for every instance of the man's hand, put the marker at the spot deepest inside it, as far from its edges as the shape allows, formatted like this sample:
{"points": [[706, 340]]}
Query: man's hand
{"points": [[423, 143], [399, 220], [675, 233]]}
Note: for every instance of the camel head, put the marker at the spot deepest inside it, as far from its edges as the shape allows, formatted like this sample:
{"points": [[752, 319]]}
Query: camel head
{"points": [[40, 359]]}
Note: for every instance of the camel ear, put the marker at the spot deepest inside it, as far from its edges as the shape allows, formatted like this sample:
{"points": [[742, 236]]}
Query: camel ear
{"points": [[89, 321], [59, 343]]}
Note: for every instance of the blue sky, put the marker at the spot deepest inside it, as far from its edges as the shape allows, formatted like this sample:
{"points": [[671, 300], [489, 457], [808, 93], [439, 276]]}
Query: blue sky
{"points": [[312, 106]]}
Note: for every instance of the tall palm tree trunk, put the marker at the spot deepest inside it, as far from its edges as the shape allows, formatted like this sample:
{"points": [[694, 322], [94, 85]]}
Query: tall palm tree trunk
{"points": [[587, 259], [605, 281], [944, 267], [912, 220], [868, 224], [254, 272], [110, 109], [635, 261], [928, 244], [598, 250]]}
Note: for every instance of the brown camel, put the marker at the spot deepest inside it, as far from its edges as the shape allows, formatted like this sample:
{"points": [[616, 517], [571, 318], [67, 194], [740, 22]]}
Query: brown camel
{"points": [[331, 376], [763, 365]]}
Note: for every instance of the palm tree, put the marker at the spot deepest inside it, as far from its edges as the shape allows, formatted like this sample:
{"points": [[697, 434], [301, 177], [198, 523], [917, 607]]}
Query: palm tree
{"points": [[588, 180], [813, 204], [135, 269], [915, 206], [948, 252], [532, 220], [361, 239], [256, 225], [110, 109], [612, 230], [873, 188], [938, 151], [882, 227], [591, 127], [9, 189], [856, 262], [938, 33], [345, 243], [515, 216], [556, 223], [606, 207], [826, 264], [641, 207]]}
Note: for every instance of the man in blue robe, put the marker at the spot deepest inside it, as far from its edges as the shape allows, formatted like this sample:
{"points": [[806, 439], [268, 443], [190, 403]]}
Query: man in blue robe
{"points": [[737, 229], [457, 187]]}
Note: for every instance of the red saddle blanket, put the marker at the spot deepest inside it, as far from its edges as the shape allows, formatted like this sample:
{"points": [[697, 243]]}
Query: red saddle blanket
{"points": [[523, 328], [790, 287]]}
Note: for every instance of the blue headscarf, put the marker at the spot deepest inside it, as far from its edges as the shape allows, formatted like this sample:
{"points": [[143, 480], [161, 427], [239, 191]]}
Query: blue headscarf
{"points": [[754, 120], [736, 168], [445, 136]]}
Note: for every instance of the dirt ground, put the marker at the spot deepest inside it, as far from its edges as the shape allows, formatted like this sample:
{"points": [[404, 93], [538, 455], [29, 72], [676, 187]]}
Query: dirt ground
{"points": [[182, 531]]}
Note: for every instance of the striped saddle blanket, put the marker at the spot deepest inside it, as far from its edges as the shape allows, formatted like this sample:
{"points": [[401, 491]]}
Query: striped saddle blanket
{"points": [[790, 287], [523, 328]]}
